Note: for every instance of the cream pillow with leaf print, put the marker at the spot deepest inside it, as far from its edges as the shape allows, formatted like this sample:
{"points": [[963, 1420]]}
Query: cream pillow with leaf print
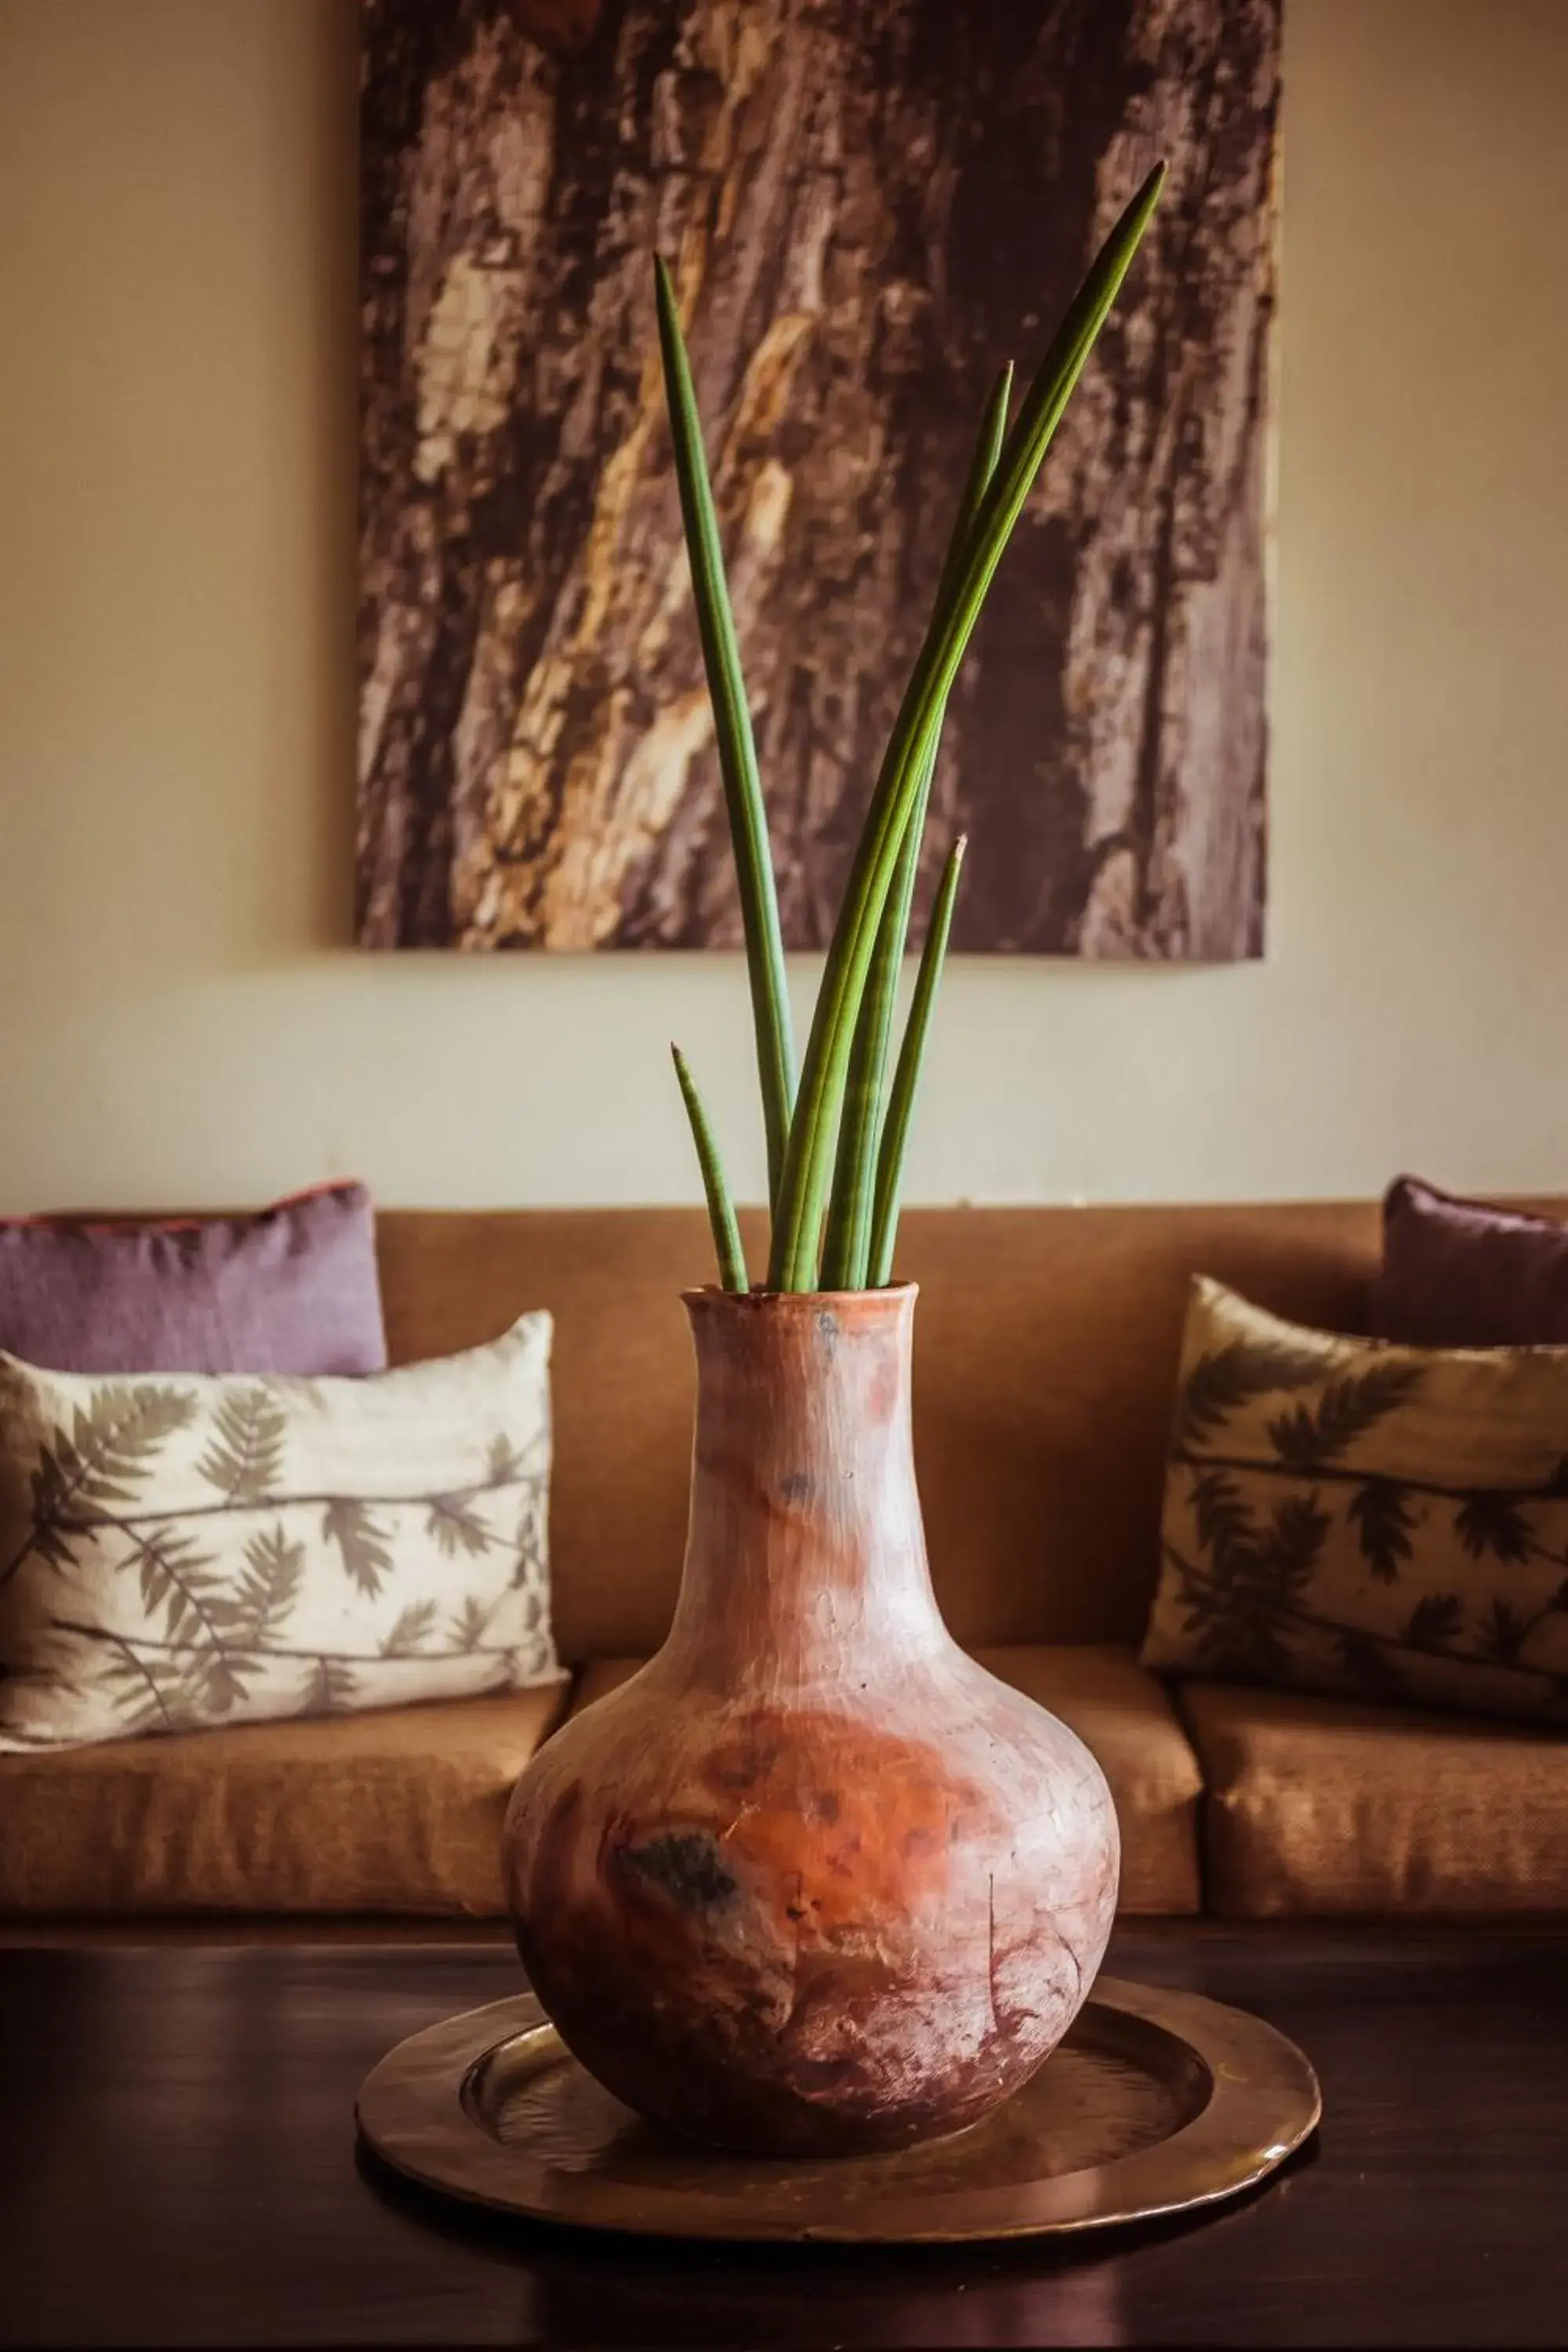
{"points": [[179, 1550], [1347, 1516]]}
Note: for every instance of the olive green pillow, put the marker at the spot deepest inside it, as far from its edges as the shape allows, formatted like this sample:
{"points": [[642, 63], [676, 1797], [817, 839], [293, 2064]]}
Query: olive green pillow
{"points": [[1346, 1516]]}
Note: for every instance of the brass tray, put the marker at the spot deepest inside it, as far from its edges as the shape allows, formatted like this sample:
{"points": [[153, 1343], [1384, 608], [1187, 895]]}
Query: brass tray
{"points": [[1156, 2102]]}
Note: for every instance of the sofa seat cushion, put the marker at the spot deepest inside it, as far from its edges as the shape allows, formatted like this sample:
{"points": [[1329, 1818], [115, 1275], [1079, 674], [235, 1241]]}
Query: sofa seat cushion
{"points": [[1339, 1806], [397, 1811], [1123, 1715]]}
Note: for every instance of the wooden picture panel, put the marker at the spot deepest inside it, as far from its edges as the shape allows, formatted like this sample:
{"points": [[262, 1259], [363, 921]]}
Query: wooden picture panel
{"points": [[868, 205]]}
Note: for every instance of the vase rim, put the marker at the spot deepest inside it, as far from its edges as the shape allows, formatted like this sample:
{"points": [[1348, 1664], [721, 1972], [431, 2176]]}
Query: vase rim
{"points": [[784, 1302]]}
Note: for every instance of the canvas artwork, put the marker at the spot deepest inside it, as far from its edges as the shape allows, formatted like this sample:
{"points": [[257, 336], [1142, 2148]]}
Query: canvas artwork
{"points": [[867, 206]]}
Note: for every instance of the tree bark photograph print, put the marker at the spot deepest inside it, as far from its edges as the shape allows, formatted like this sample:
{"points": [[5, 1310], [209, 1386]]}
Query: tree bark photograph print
{"points": [[866, 206]]}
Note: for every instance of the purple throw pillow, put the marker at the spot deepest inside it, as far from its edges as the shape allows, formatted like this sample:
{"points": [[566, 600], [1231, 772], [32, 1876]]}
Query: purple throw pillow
{"points": [[293, 1288], [1459, 1273]]}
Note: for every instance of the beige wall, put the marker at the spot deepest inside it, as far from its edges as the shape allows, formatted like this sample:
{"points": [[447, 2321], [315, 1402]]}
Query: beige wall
{"points": [[184, 1016]]}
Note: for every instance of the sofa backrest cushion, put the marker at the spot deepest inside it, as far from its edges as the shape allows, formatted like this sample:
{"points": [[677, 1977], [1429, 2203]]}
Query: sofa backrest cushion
{"points": [[1046, 1352]]}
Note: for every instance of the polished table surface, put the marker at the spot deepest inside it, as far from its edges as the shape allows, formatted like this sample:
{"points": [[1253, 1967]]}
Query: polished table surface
{"points": [[178, 2167]]}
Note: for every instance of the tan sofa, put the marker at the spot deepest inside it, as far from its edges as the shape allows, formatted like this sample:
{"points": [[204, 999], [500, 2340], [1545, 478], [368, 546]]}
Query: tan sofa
{"points": [[1046, 1352]]}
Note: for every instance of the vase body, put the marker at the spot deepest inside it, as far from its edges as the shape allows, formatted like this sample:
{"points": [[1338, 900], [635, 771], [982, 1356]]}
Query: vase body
{"points": [[812, 1880]]}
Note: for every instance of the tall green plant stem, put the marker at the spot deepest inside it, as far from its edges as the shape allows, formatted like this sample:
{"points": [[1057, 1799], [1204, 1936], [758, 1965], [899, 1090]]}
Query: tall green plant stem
{"points": [[732, 731], [715, 1184], [846, 1237], [800, 1194], [846, 1248], [907, 1076]]}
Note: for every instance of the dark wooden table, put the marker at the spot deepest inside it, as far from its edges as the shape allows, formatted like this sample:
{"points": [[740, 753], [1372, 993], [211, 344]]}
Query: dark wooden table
{"points": [[178, 2167]]}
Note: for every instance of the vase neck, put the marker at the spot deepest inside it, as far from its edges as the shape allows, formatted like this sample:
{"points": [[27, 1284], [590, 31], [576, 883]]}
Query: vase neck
{"points": [[805, 1555]]}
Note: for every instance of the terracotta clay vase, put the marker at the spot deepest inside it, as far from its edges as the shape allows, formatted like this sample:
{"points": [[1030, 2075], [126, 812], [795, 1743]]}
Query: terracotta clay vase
{"points": [[812, 1880]]}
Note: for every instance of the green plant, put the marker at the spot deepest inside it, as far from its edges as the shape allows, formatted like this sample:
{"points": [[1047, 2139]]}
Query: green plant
{"points": [[836, 1138]]}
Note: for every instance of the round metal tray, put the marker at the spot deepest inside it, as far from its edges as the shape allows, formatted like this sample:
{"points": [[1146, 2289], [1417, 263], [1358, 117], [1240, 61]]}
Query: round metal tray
{"points": [[1156, 2102]]}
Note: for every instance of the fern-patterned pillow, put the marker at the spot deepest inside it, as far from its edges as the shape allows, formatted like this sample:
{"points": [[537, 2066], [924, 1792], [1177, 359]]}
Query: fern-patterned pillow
{"points": [[1342, 1515], [178, 1550]]}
